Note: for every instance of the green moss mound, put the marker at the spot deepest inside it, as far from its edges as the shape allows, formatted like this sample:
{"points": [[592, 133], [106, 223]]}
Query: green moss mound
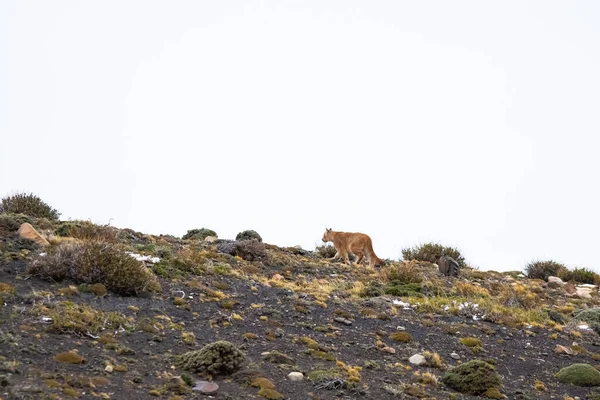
{"points": [[474, 377], [28, 204], [199, 234], [579, 375], [217, 358], [248, 235]]}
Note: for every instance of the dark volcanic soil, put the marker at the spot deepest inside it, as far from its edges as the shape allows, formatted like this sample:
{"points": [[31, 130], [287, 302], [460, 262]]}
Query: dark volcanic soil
{"points": [[279, 318]]}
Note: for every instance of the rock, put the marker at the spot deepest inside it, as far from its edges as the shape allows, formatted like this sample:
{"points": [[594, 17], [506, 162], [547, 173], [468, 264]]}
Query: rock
{"points": [[388, 349], [211, 239], [564, 350], [584, 292], [206, 387], [26, 231], [555, 282], [417, 359], [448, 266], [342, 320], [455, 355], [295, 376], [109, 368], [528, 345]]}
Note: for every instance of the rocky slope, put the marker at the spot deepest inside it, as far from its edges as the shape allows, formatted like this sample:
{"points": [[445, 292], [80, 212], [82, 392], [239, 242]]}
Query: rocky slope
{"points": [[340, 331]]}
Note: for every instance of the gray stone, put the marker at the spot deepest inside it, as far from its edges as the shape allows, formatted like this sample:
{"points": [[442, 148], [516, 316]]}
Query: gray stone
{"points": [[417, 359]]}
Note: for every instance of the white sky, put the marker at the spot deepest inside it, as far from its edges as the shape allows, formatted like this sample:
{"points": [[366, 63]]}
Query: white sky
{"points": [[473, 124]]}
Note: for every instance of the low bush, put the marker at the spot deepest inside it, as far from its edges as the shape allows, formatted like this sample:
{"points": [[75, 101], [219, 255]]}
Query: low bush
{"points": [[326, 251], [28, 204], [87, 230], [199, 234], [430, 252], [543, 269], [579, 275], [95, 262], [248, 235]]}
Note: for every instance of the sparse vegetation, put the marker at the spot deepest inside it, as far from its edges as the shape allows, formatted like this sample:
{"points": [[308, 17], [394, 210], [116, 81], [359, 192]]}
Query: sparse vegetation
{"points": [[95, 262], [28, 204], [430, 252]]}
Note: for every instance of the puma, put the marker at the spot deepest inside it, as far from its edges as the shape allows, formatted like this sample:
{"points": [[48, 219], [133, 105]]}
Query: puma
{"points": [[356, 243]]}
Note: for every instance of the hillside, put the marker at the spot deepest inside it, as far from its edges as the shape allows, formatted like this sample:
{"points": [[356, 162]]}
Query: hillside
{"points": [[82, 318]]}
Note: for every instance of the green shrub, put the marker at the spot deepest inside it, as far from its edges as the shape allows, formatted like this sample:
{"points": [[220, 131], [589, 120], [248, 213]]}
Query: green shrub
{"points": [[95, 262], [217, 358], [325, 251], [579, 375], [248, 235], [396, 288], [591, 315], [474, 377], [28, 204], [431, 252], [543, 269], [580, 275], [199, 234]]}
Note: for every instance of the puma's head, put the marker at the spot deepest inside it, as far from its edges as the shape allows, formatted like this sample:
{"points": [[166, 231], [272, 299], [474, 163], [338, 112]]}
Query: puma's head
{"points": [[327, 235]]}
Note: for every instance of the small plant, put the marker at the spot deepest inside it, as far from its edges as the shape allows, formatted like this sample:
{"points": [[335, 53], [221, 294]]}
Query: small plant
{"points": [[248, 235], [401, 273], [474, 377], [474, 344], [28, 204], [434, 360], [217, 358], [543, 269], [199, 234], [401, 336], [430, 252]]}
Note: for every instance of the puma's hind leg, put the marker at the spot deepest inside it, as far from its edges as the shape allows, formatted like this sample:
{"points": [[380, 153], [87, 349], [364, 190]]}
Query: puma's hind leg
{"points": [[359, 257]]}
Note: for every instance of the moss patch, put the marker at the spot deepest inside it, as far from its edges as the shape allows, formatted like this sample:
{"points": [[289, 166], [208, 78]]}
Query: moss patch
{"points": [[217, 358], [579, 375], [474, 377]]}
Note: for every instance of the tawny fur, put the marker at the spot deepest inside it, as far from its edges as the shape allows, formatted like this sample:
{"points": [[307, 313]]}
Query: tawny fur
{"points": [[356, 243]]}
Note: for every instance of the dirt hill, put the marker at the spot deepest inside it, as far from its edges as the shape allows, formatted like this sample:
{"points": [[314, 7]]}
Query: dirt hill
{"points": [[109, 313]]}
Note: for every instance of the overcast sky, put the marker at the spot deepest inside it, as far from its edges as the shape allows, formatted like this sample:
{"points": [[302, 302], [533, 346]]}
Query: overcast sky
{"points": [[473, 124]]}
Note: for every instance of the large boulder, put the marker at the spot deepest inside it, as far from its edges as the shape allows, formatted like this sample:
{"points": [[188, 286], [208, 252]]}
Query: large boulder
{"points": [[448, 266], [26, 231]]}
